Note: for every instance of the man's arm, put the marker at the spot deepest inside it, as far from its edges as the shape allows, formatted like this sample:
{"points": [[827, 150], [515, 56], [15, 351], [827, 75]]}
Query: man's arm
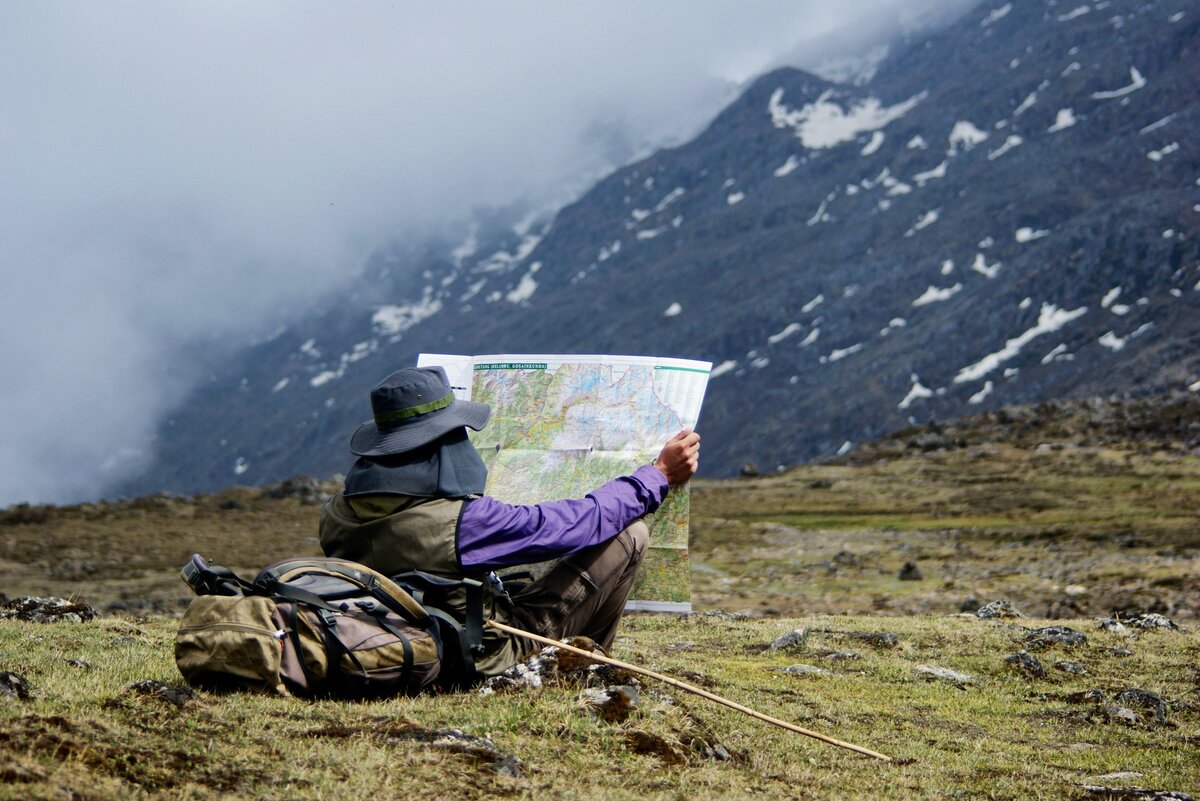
{"points": [[493, 534]]}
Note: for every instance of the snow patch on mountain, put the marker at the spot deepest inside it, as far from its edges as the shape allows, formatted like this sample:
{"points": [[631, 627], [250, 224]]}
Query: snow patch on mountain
{"points": [[981, 266], [982, 394], [394, 320], [1078, 11], [823, 123], [787, 167], [503, 260], [964, 135], [1157, 155], [787, 331], [917, 392], [1009, 143], [939, 171], [838, 354], [525, 288], [996, 15], [721, 369], [935, 295], [1063, 120], [927, 219], [1051, 318], [1136, 81], [467, 249]]}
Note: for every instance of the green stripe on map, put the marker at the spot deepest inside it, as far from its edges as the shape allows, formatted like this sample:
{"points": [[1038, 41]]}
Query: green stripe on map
{"points": [[685, 369]]}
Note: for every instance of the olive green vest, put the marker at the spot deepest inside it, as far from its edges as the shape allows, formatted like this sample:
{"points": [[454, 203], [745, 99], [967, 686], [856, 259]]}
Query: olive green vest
{"points": [[420, 535]]}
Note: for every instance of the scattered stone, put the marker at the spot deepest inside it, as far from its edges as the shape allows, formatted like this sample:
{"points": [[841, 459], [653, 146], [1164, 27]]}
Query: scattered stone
{"points": [[480, 748], [1119, 714], [944, 674], [1146, 700], [807, 670], [72, 571], [1113, 625], [996, 610], [970, 604], [392, 731], [13, 685], [233, 505], [910, 572], [79, 663], [648, 743], [304, 488], [178, 695], [879, 639], [1071, 667], [1026, 663], [1094, 696], [47, 610], [1155, 621], [1139, 793], [843, 656], [611, 704], [687, 645], [794, 640], [1054, 635], [1120, 651]]}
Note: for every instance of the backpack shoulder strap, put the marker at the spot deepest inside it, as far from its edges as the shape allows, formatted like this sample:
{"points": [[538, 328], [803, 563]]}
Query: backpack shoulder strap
{"points": [[468, 634], [206, 579], [377, 585]]}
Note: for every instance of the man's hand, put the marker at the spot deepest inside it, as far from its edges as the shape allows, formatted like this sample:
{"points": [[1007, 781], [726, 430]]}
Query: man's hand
{"points": [[680, 457]]}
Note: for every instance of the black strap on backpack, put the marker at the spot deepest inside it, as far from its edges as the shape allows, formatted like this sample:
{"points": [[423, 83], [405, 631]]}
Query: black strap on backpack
{"points": [[430, 591]]}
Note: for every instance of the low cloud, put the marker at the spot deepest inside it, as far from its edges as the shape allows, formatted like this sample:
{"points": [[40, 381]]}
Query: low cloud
{"points": [[181, 172]]}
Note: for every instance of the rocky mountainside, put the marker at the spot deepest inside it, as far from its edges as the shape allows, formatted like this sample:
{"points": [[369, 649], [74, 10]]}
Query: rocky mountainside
{"points": [[1005, 212]]}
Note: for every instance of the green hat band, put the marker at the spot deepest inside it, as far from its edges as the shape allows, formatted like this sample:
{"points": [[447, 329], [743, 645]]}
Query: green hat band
{"points": [[413, 411]]}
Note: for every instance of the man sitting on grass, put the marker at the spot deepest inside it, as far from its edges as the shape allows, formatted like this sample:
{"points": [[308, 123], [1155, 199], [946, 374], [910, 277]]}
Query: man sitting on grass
{"points": [[414, 501]]}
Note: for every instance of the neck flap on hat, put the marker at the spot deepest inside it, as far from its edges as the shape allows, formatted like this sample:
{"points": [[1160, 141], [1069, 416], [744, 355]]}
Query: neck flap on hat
{"points": [[448, 467]]}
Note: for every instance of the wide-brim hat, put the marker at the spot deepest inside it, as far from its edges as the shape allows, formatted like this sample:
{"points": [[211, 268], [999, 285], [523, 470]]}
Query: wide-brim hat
{"points": [[414, 407]]}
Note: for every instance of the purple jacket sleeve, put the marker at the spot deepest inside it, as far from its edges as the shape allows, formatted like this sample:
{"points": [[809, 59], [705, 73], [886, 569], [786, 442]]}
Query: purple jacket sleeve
{"points": [[493, 534]]}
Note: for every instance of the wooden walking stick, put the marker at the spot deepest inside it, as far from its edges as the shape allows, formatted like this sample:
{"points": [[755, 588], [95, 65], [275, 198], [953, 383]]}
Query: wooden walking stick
{"points": [[688, 687]]}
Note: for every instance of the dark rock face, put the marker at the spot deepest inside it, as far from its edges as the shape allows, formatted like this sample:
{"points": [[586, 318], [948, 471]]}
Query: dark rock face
{"points": [[1007, 216]]}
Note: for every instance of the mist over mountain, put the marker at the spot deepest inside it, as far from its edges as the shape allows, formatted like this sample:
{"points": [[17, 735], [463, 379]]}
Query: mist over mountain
{"points": [[1001, 211]]}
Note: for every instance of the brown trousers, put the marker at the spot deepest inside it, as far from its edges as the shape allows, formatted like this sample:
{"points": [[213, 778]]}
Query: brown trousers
{"points": [[585, 593]]}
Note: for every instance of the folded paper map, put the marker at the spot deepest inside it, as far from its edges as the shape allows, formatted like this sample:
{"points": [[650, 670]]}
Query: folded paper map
{"points": [[563, 425]]}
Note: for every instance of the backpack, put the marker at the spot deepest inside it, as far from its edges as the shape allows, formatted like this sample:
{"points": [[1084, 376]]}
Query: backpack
{"points": [[323, 627]]}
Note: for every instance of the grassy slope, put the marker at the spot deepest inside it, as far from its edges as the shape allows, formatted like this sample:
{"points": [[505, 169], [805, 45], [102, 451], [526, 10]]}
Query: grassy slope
{"points": [[83, 735], [1076, 530]]}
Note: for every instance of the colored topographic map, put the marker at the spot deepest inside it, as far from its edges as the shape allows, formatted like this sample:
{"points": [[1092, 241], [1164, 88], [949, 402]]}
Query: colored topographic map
{"points": [[562, 426]]}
